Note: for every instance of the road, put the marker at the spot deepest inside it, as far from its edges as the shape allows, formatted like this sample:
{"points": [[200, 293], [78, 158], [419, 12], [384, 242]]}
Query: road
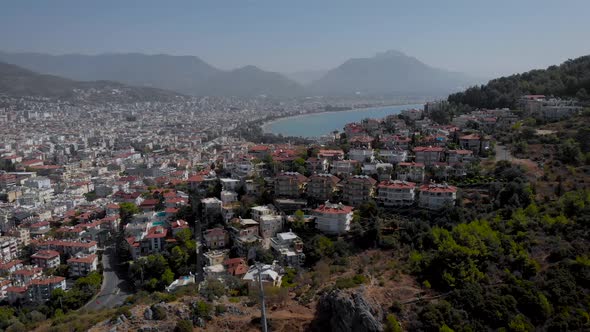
{"points": [[114, 290]]}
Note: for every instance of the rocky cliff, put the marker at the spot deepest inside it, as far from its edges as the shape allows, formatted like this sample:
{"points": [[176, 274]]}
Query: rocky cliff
{"points": [[348, 311]]}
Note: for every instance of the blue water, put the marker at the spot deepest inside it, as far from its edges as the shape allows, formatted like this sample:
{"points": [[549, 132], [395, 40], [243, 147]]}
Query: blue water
{"points": [[314, 125]]}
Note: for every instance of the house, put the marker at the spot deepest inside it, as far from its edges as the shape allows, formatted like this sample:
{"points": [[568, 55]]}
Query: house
{"points": [[216, 238], [322, 186], [358, 189], [288, 248], [266, 273], [361, 155], [27, 274], [396, 193], [259, 151], [8, 248], [11, 266], [149, 204], [17, 294], [228, 197], [68, 247], [331, 155], [393, 156], [361, 142], [244, 234], [178, 226], [270, 225], [428, 155], [262, 210], [459, 156], [211, 208], [46, 259], [474, 142], [333, 219], [39, 228], [82, 264], [289, 184], [156, 239], [436, 196], [344, 167], [317, 165], [40, 289], [235, 266], [229, 184], [410, 172]]}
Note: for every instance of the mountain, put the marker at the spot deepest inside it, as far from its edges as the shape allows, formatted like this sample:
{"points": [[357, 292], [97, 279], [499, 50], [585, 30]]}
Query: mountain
{"points": [[306, 76], [17, 81], [389, 73], [183, 74], [571, 79], [251, 81]]}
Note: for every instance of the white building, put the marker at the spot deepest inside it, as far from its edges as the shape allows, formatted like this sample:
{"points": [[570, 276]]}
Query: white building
{"points": [[333, 218], [396, 193], [436, 196], [81, 265], [289, 248]]}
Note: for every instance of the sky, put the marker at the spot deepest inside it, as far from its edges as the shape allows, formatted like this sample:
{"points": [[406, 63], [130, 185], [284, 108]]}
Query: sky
{"points": [[482, 38]]}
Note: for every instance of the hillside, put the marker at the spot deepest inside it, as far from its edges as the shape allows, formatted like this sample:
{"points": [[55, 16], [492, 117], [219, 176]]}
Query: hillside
{"points": [[571, 79], [390, 73], [17, 81]]}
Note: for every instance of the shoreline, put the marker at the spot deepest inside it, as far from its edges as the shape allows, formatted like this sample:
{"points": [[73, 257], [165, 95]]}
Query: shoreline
{"points": [[265, 124]]}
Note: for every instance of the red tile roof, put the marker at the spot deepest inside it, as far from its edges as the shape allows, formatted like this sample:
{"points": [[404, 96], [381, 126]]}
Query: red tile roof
{"points": [[157, 232], [438, 188], [397, 184], [334, 209]]}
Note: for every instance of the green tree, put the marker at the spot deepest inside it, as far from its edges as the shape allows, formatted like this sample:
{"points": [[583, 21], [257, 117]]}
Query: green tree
{"points": [[127, 211], [392, 324]]}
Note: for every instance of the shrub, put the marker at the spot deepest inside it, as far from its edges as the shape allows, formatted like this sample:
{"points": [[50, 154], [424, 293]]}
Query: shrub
{"points": [[159, 313], [220, 309], [184, 326]]}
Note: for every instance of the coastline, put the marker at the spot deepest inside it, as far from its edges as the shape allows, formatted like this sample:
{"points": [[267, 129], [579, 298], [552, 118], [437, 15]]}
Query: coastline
{"points": [[264, 126]]}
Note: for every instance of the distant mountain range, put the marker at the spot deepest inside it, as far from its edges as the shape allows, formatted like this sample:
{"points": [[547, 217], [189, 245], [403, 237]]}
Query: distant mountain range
{"points": [[389, 73], [17, 81]]}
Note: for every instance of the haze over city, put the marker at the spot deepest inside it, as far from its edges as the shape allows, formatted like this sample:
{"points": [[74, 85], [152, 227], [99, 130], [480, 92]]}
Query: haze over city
{"points": [[480, 38]]}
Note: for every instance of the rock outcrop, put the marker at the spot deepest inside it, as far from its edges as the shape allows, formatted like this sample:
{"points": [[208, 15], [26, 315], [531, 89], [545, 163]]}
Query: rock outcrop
{"points": [[341, 311]]}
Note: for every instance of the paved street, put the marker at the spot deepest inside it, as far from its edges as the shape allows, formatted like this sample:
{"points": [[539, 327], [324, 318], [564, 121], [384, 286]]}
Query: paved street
{"points": [[114, 290]]}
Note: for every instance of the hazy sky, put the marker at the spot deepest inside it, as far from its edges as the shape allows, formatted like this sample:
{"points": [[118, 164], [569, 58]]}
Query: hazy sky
{"points": [[478, 37]]}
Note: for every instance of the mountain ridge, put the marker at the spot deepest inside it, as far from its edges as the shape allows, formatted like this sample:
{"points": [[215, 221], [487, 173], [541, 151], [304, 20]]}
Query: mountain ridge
{"points": [[386, 73], [19, 82]]}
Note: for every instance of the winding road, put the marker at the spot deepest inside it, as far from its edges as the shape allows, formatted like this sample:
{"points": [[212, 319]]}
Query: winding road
{"points": [[114, 290]]}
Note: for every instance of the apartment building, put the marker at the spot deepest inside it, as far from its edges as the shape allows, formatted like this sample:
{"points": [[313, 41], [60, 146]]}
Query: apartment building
{"points": [[396, 193]]}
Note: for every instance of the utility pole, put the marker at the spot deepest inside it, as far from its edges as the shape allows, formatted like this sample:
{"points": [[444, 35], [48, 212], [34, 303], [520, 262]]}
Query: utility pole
{"points": [[195, 210], [262, 305]]}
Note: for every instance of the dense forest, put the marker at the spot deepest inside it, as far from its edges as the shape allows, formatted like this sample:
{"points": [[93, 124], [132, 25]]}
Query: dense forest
{"points": [[571, 79]]}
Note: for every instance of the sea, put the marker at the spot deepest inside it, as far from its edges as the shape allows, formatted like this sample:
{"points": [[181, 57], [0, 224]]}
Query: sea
{"points": [[320, 124]]}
